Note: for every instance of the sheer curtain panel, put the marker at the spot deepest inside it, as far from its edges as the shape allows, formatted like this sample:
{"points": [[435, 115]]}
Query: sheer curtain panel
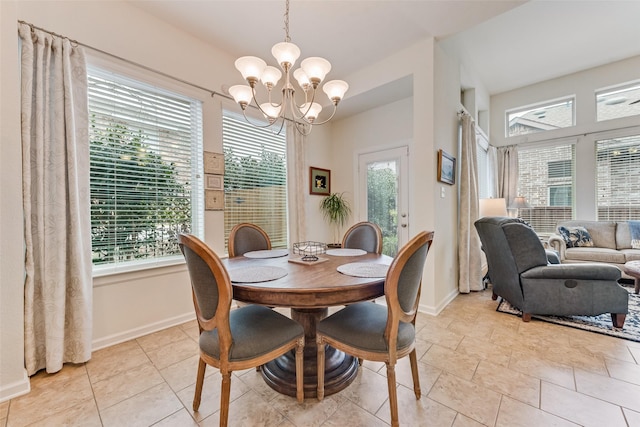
{"points": [[296, 184], [508, 173], [469, 258], [55, 183]]}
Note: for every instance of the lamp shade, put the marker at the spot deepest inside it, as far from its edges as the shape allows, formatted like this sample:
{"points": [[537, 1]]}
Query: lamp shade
{"points": [[302, 78], [519, 203], [314, 110], [285, 53], [493, 207], [335, 90], [242, 94], [251, 67], [315, 68], [271, 76]]}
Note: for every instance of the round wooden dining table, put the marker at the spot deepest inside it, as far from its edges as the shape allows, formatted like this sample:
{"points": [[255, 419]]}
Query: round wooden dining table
{"points": [[308, 289]]}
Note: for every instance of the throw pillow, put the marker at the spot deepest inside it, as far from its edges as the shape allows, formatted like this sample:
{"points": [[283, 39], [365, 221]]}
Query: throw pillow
{"points": [[576, 237], [634, 228]]}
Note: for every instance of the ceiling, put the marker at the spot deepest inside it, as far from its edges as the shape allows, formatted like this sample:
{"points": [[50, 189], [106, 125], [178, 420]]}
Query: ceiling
{"points": [[508, 44]]}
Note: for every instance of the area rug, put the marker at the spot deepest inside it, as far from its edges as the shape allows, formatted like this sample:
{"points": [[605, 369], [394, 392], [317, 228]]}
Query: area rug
{"points": [[600, 324]]}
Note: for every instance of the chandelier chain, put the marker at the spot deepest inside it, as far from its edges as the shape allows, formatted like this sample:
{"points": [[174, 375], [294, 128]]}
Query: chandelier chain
{"points": [[286, 23]]}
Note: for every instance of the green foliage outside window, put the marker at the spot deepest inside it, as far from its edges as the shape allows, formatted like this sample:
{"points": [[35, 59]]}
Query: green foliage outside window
{"points": [[139, 201], [382, 206]]}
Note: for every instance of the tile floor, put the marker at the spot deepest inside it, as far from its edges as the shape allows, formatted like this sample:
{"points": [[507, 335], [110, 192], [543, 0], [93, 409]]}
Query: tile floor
{"points": [[477, 367]]}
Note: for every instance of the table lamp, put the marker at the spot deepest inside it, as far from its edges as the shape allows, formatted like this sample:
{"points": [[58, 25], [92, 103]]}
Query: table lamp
{"points": [[493, 207]]}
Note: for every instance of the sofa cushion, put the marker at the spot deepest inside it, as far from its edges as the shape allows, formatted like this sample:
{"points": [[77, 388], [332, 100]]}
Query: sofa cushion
{"points": [[575, 237], [623, 235], [603, 233], [631, 254], [595, 255]]}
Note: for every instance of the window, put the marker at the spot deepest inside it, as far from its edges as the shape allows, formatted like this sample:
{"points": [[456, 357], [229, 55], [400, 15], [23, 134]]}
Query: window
{"points": [[541, 117], [145, 146], [622, 101], [618, 178], [255, 180], [546, 182]]}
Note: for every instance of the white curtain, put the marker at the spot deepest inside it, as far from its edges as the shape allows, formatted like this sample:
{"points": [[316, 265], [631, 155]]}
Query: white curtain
{"points": [[55, 184], [296, 184], [508, 173], [492, 154], [469, 256]]}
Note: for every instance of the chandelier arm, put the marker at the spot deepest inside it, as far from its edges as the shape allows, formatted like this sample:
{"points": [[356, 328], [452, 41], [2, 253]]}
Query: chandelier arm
{"points": [[299, 108], [335, 108], [280, 114], [258, 125], [300, 127]]}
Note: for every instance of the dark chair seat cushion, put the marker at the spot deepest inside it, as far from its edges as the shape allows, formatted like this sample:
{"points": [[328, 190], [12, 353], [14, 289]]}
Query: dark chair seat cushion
{"points": [[362, 326], [255, 330]]}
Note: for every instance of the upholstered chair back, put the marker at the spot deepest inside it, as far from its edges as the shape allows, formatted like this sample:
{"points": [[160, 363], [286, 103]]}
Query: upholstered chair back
{"points": [[363, 235], [247, 237]]}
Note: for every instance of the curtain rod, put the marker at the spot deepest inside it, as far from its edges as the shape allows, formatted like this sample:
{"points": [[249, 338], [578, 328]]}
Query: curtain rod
{"points": [[128, 61]]}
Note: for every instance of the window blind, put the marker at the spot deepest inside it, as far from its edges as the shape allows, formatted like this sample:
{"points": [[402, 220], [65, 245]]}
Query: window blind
{"points": [[145, 146], [618, 178], [255, 181], [546, 180]]}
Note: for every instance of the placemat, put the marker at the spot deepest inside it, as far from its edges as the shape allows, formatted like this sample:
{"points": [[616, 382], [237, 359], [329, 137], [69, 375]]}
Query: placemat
{"points": [[267, 253], [257, 274], [364, 269], [346, 252]]}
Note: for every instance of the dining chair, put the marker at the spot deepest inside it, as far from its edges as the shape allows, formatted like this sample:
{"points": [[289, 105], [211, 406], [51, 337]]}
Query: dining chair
{"points": [[378, 333], [238, 339], [364, 235], [246, 237]]}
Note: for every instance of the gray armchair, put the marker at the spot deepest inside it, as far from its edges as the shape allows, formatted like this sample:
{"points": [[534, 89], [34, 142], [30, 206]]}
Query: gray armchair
{"points": [[521, 274]]}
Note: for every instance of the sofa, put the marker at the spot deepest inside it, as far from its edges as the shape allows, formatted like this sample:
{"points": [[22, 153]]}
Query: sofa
{"points": [[610, 243], [521, 274]]}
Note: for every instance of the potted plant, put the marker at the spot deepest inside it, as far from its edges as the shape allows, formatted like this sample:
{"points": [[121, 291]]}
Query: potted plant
{"points": [[336, 211]]}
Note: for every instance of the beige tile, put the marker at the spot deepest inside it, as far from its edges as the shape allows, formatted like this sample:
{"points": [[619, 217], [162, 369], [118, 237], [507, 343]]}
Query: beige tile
{"points": [[635, 353], [352, 415], [254, 380], [183, 373], [625, 371], [250, 410], [547, 370], [464, 421], [4, 410], [143, 409], [508, 382], [605, 346], [579, 408], [177, 419], [437, 335], [485, 349], [517, 414], [427, 374], [51, 394], [311, 412], [115, 360], [462, 365], [473, 400], [578, 358], [633, 418], [609, 389], [414, 412], [210, 398], [84, 414], [173, 352], [368, 390], [161, 338], [120, 387]]}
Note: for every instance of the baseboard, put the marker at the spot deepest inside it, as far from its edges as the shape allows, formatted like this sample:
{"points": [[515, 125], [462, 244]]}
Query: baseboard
{"points": [[140, 331], [435, 310], [15, 389]]}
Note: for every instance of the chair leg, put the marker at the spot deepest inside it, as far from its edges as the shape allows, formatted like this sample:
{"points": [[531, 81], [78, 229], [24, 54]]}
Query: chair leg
{"points": [[618, 319], [393, 394], [225, 393], [320, 368], [202, 367], [526, 317], [494, 296], [300, 370], [413, 358], [360, 361]]}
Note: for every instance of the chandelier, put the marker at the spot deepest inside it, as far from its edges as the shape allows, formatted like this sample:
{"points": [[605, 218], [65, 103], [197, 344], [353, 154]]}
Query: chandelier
{"points": [[309, 76]]}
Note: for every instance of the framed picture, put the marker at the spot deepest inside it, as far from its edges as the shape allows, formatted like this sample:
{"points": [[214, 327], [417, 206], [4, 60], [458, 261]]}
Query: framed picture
{"points": [[319, 181], [446, 168], [213, 163], [214, 182], [213, 200]]}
